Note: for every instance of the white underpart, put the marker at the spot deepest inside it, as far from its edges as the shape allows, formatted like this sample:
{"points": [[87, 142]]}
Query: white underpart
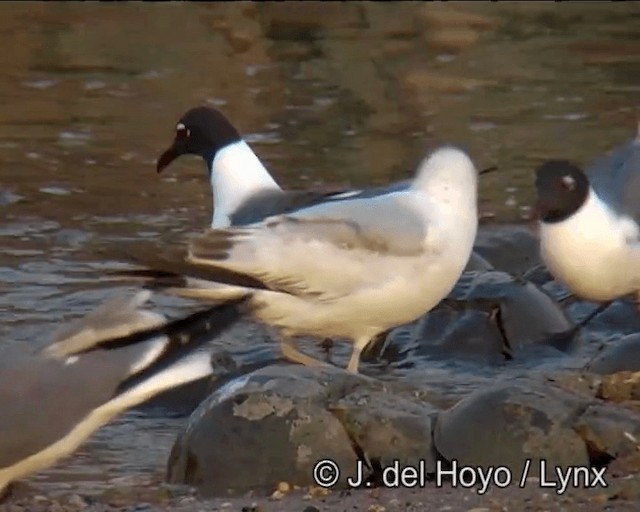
{"points": [[189, 369], [595, 252], [236, 174]]}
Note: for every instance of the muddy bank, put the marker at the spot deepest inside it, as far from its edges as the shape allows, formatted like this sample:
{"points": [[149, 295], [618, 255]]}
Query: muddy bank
{"points": [[621, 495]]}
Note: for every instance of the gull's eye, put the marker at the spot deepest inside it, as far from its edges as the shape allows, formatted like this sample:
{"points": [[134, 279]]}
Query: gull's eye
{"points": [[182, 131], [568, 182]]}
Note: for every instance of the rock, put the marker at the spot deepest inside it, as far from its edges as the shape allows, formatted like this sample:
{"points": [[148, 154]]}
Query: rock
{"points": [[455, 331], [280, 420], [609, 432], [619, 355], [488, 316], [512, 249], [526, 314], [386, 427], [511, 422], [620, 387], [272, 421], [619, 318], [477, 262]]}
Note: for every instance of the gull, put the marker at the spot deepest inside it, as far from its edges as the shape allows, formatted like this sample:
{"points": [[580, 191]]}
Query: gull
{"points": [[348, 268], [114, 358], [242, 189], [589, 231]]}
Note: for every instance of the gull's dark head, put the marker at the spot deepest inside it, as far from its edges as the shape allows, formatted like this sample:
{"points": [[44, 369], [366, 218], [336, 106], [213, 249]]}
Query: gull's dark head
{"points": [[562, 189], [200, 131]]}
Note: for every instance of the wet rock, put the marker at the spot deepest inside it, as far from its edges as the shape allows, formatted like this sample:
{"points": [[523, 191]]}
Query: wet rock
{"points": [[386, 427], [512, 249], [620, 386], [525, 313], [273, 421], [620, 318], [477, 262], [511, 422], [454, 331], [280, 420], [609, 433], [488, 316], [619, 355]]}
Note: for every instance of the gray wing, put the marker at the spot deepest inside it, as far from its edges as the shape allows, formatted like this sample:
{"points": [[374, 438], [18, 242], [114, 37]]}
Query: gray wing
{"points": [[615, 177], [326, 250], [267, 203]]}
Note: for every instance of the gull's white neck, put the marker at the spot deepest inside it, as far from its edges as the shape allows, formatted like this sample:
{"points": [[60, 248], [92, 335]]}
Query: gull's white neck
{"points": [[592, 223], [236, 174], [589, 250]]}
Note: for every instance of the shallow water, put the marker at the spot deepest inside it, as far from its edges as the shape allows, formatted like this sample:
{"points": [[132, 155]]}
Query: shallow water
{"points": [[341, 94]]}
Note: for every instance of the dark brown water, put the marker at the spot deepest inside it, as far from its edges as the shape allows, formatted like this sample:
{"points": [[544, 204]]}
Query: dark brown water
{"points": [[346, 94]]}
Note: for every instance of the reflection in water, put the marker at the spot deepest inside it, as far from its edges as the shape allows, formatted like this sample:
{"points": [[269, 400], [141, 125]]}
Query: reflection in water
{"points": [[340, 94]]}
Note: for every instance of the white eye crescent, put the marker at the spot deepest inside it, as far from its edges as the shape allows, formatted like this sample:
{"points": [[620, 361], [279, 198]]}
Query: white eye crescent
{"points": [[182, 128], [569, 182]]}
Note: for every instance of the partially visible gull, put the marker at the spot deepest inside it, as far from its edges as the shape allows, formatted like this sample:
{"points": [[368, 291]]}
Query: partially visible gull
{"points": [[349, 268], [114, 358], [589, 223]]}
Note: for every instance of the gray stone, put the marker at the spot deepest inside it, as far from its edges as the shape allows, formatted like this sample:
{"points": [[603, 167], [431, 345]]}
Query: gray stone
{"points": [[387, 426], [489, 315], [513, 249], [257, 430], [609, 431], [276, 423], [618, 356], [510, 423]]}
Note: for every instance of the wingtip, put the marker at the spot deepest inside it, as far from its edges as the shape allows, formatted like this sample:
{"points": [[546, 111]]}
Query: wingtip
{"points": [[184, 336]]}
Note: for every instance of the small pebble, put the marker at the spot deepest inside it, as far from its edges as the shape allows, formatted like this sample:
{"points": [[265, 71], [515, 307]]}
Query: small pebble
{"points": [[277, 495], [284, 487], [311, 508], [376, 508], [314, 492]]}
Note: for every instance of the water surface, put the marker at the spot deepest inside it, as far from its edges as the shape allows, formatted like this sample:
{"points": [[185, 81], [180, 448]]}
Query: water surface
{"points": [[337, 94]]}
